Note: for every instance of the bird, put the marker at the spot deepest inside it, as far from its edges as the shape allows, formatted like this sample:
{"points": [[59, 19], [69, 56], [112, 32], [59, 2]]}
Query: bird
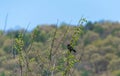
{"points": [[70, 48]]}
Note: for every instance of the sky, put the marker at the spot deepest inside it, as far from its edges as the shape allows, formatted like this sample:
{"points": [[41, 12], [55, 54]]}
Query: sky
{"points": [[16, 14]]}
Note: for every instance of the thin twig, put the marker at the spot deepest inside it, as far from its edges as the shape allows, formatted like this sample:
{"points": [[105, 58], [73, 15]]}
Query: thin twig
{"points": [[62, 40], [52, 44], [26, 29], [6, 18], [26, 53]]}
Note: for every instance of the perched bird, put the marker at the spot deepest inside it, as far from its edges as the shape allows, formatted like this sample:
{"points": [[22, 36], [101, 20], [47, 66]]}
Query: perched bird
{"points": [[70, 48]]}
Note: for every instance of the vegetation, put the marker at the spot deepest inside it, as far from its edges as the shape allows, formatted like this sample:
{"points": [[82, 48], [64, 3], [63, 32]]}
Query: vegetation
{"points": [[43, 51]]}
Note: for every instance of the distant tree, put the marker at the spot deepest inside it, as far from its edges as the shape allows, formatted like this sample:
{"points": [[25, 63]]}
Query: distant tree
{"points": [[90, 37], [89, 26]]}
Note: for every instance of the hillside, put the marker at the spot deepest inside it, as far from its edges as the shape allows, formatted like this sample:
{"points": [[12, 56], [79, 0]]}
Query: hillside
{"points": [[42, 52]]}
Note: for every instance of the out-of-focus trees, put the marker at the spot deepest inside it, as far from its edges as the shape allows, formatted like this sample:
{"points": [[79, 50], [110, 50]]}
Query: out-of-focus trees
{"points": [[99, 48]]}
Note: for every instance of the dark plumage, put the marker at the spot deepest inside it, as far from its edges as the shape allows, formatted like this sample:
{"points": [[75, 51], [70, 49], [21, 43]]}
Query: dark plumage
{"points": [[70, 48]]}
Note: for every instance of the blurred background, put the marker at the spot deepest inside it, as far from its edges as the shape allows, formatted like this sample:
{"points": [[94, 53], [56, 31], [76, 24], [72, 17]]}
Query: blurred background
{"points": [[34, 35]]}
